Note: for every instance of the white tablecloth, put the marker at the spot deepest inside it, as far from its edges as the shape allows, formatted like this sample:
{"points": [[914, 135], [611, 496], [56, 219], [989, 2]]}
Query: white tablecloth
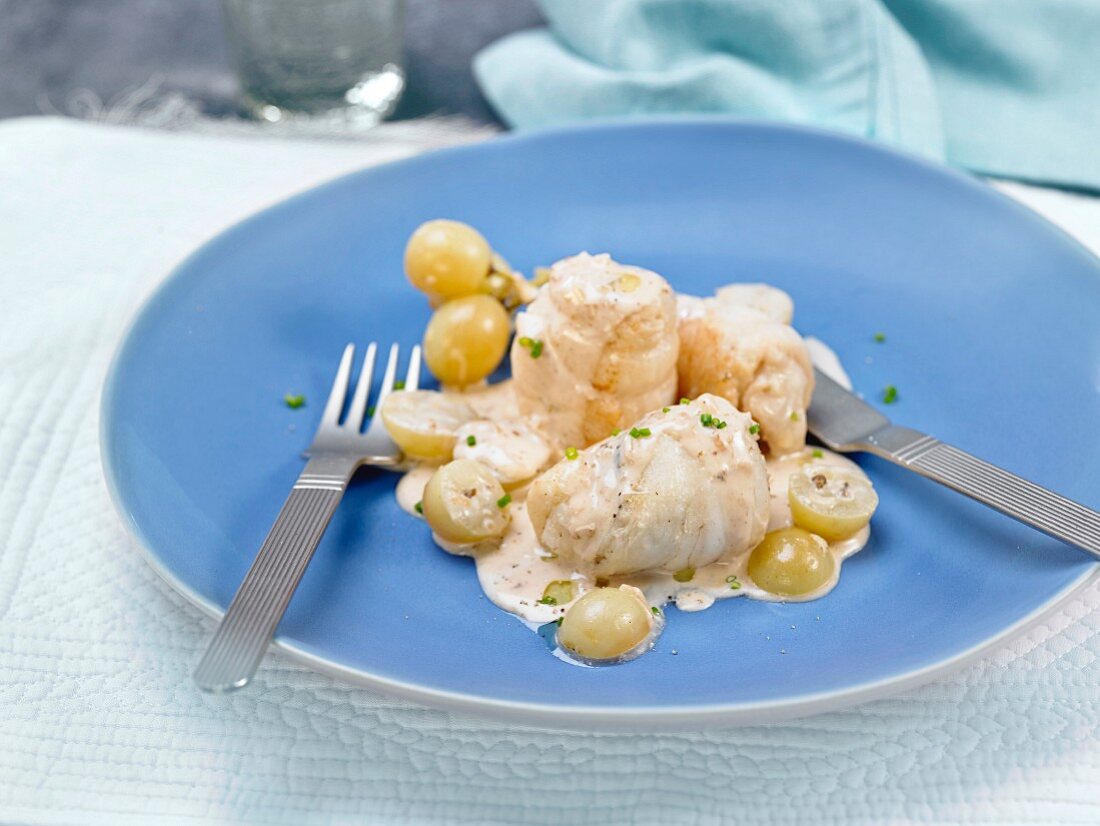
{"points": [[99, 722]]}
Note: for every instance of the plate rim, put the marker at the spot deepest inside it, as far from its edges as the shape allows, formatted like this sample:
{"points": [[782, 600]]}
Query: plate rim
{"points": [[608, 718], [634, 718]]}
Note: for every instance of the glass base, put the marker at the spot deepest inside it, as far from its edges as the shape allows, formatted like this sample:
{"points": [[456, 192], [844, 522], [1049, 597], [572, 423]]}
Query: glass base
{"points": [[363, 106]]}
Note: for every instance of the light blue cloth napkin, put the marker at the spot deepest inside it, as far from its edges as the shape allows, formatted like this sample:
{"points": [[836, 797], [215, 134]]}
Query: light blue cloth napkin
{"points": [[1004, 87]]}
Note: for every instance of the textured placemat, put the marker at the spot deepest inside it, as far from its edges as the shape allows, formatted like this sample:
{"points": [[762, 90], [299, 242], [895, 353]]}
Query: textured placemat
{"points": [[99, 722]]}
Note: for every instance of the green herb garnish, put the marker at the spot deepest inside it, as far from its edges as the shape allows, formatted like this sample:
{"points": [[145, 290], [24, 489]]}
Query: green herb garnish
{"points": [[733, 583], [399, 384], [708, 420], [640, 432], [754, 429], [665, 409], [656, 611], [616, 432], [818, 454], [471, 440], [294, 402], [684, 575], [532, 345], [370, 410], [880, 337], [548, 601], [419, 508], [571, 453], [685, 400], [503, 501], [890, 394], [794, 416]]}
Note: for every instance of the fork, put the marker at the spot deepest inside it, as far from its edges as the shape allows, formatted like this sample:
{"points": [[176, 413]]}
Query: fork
{"points": [[337, 451], [846, 423]]}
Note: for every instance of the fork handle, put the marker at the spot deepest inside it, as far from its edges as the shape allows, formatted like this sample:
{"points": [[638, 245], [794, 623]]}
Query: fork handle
{"points": [[1010, 494], [242, 637]]}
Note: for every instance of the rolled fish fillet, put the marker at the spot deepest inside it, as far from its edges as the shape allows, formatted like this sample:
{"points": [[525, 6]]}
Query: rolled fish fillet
{"points": [[736, 346], [681, 489], [596, 350]]}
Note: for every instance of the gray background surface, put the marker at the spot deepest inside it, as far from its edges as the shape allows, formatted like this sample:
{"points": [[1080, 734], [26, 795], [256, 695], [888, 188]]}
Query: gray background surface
{"points": [[51, 49]]}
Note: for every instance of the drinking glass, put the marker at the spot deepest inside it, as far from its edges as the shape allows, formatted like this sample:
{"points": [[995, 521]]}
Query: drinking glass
{"points": [[317, 60]]}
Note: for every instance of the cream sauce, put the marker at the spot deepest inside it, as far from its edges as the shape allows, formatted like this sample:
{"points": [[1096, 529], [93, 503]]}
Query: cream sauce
{"points": [[410, 488], [490, 401], [515, 571]]}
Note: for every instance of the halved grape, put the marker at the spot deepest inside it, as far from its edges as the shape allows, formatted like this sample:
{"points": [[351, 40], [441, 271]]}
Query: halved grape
{"points": [[464, 503], [831, 500], [606, 623], [791, 562], [447, 258], [558, 592], [423, 422], [466, 339]]}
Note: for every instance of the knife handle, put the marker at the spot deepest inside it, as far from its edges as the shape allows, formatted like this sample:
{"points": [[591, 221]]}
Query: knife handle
{"points": [[1023, 500]]}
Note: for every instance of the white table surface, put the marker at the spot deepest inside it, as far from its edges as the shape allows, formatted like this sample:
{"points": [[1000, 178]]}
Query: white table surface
{"points": [[99, 722]]}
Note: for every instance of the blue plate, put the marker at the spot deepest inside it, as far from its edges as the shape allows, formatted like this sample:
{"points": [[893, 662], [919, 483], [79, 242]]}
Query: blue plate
{"points": [[992, 340]]}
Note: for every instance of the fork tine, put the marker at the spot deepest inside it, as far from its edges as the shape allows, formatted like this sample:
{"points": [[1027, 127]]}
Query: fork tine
{"points": [[388, 377], [358, 407], [339, 391], [412, 377]]}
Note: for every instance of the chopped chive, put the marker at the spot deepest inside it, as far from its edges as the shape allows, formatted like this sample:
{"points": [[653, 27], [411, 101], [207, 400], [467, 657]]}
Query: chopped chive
{"points": [[370, 410], [880, 337], [557, 622], [419, 507], [294, 402], [656, 611], [532, 345], [733, 583], [708, 420], [640, 432], [754, 428], [890, 394], [794, 416], [471, 440], [571, 453], [818, 454], [399, 384], [665, 409], [503, 501], [616, 432], [685, 400], [548, 601]]}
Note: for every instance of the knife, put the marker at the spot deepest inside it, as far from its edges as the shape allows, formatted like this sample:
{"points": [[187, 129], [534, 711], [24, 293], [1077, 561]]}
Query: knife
{"points": [[847, 424]]}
